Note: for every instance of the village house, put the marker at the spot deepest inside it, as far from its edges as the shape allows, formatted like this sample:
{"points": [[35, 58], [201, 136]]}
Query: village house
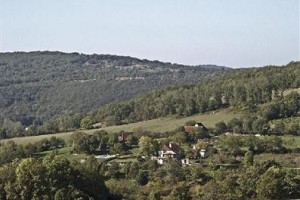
{"points": [[168, 151], [124, 136], [197, 126], [202, 152]]}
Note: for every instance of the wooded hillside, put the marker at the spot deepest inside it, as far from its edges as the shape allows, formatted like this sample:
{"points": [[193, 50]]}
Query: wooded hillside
{"points": [[37, 86], [243, 89]]}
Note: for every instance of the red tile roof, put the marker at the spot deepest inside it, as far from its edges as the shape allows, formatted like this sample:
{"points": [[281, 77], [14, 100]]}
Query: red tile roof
{"points": [[191, 129]]}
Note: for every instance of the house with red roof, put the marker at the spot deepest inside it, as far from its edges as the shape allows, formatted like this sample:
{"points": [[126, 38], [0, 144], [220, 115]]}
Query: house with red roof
{"points": [[197, 126]]}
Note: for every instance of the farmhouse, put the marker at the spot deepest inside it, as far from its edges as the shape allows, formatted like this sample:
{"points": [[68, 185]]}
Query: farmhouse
{"points": [[124, 136], [196, 127], [170, 151]]}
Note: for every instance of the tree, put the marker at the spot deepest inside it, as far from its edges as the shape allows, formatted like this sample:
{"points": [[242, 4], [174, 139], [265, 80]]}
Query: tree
{"points": [[174, 172], [30, 181], [248, 159], [148, 146], [235, 125], [70, 193], [271, 185], [7, 174], [260, 125], [133, 170], [190, 123], [180, 193], [154, 195], [220, 127], [179, 137], [200, 133], [3, 133], [231, 144], [247, 183], [59, 172], [32, 130], [119, 148], [113, 170], [86, 122], [142, 177], [11, 151]]}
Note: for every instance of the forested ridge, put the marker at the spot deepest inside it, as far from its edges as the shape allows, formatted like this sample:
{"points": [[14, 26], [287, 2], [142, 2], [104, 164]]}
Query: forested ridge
{"points": [[36, 86], [243, 89]]}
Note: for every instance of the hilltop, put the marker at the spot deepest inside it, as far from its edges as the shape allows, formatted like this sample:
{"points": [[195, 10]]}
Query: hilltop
{"points": [[37, 86]]}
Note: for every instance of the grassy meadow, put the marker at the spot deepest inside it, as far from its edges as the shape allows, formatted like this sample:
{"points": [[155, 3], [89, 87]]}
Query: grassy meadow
{"points": [[286, 92], [156, 125]]}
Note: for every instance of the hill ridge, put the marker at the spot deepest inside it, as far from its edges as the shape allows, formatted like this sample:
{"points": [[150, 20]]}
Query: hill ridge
{"points": [[37, 86]]}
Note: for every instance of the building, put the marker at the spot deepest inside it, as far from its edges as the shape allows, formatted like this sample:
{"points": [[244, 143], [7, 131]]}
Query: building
{"points": [[197, 126], [168, 151]]}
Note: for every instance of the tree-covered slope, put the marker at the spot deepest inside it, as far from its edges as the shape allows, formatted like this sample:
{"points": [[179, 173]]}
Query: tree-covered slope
{"points": [[40, 85], [243, 89]]}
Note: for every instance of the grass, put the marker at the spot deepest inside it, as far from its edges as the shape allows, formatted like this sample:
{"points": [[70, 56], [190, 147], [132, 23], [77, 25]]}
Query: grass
{"points": [[66, 152], [61, 151], [291, 142], [171, 123], [286, 92], [33, 139], [156, 125], [126, 160]]}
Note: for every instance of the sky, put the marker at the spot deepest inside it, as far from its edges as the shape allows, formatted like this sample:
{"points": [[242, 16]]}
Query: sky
{"points": [[233, 33]]}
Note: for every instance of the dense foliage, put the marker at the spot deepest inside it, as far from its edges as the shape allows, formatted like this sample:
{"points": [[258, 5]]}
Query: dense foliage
{"points": [[50, 178], [263, 121], [10, 151], [243, 89], [37, 86]]}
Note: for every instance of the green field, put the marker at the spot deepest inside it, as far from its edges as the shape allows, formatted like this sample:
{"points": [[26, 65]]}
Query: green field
{"points": [[286, 92], [158, 125], [291, 142], [171, 123]]}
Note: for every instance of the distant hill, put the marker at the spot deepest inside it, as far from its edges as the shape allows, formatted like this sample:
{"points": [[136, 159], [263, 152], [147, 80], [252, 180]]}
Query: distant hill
{"points": [[37, 86]]}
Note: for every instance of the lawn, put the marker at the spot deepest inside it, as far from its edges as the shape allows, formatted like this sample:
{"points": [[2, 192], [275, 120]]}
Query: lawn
{"points": [[159, 125]]}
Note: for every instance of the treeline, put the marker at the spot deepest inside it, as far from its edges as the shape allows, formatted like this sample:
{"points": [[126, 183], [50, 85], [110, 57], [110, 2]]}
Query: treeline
{"points": [[10, 151], [244, 89]]}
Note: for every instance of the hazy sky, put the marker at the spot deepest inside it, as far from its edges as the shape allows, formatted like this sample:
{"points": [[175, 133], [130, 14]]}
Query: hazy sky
{"points": [[235, 33]]}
